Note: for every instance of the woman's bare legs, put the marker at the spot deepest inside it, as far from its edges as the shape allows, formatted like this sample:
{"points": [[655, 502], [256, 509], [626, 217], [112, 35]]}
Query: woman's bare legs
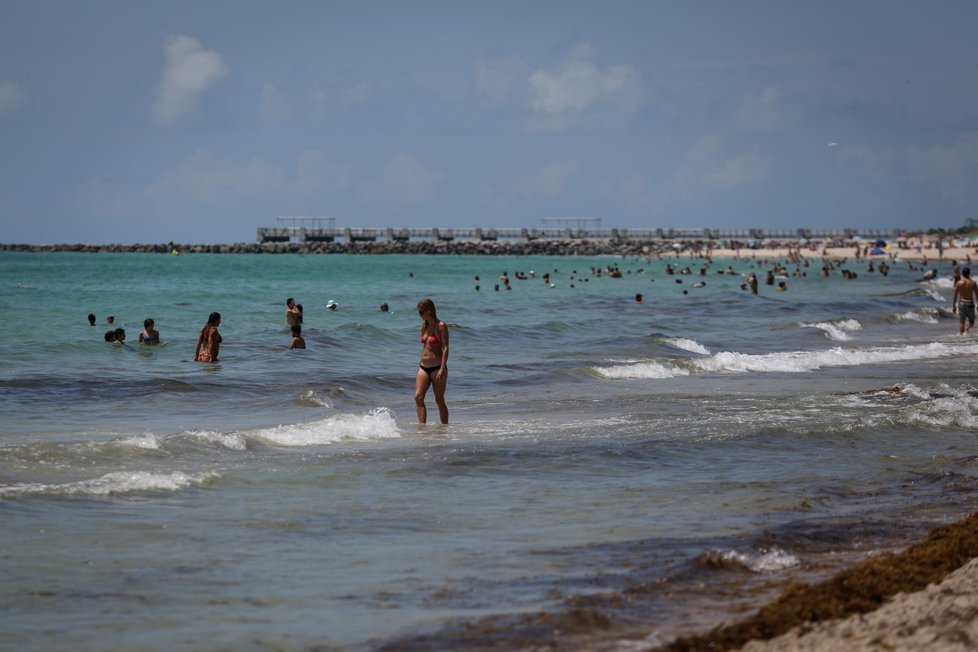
{"points": [[421, 383], [439, 385]]}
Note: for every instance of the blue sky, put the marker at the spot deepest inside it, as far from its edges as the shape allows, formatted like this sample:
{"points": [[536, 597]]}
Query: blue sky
{"points": [[197, 122]]}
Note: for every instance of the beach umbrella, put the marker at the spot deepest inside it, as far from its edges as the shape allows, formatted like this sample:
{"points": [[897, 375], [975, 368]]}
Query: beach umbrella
{"points": [[876, 252], [881, 243]]}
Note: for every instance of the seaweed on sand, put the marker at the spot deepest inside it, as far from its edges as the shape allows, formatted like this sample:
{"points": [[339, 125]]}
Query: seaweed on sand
{"points": [[859, 589]]}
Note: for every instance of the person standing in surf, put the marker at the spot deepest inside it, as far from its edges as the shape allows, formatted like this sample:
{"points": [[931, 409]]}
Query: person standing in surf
{"points": [[433, 369], [965, 294], [209, 340]]}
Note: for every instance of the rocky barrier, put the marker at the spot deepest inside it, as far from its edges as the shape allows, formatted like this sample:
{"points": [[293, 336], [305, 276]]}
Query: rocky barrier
{"points": [[569, 247]]}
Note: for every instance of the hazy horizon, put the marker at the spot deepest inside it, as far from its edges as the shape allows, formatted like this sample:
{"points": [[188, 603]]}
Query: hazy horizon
{"points": [[199, 122]]}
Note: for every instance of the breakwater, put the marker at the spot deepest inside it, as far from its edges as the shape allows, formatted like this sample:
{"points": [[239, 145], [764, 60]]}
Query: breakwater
{"points": [[564, 247]]}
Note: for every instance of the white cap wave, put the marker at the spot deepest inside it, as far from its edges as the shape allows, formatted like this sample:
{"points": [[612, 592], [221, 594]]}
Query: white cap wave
{"points": [[837, 331], [377, 424], [117, 482], [786, 361]]}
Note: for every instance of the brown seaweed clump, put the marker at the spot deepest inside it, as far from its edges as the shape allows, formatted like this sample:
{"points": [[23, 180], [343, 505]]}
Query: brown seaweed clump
{"points": [[860, 589]]}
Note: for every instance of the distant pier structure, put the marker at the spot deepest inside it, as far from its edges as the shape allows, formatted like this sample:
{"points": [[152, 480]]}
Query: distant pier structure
{"points": [[300, 229], [324, 229]]}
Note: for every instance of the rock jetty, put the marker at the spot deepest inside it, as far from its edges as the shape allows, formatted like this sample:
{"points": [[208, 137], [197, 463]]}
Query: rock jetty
{"points": [[566, 247], [555, 247]]}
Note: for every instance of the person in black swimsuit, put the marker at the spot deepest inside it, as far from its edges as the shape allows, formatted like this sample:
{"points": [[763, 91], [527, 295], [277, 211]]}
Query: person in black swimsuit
{"points": [[433, 369]]}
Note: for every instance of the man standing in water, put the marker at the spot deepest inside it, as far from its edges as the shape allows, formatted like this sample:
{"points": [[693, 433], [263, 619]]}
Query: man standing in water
{"points": [[965, 293]]}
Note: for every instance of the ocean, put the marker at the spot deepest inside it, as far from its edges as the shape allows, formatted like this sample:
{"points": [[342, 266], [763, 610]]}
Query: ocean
{"points": [[614, 473]]}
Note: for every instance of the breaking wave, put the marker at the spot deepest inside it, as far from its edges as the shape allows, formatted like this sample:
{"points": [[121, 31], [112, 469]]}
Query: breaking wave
{"points": [[837, 331], [377, 424], [119, 482], [786, 361]]}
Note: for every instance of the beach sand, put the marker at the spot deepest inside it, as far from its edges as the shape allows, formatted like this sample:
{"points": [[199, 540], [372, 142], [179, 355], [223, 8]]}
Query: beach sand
{"points": [[943, 617], [923, 598], [932, 256]]}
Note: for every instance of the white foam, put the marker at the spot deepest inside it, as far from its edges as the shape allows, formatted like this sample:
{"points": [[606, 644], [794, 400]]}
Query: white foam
{"points": [[924, 315], [837, 331], [768, 561], [377, 424], [764, 561], [311, 398], [802, 361], [649, 369], [912, 390], [934, 294], [687, 345], [147, 441], [789, 361], [230, 440], [118, 482], [959, 409], [943, 282]]}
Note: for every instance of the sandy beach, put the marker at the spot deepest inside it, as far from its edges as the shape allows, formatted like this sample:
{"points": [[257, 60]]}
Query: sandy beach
{"points": [[944, 617], [923, 598], [932, 256]]}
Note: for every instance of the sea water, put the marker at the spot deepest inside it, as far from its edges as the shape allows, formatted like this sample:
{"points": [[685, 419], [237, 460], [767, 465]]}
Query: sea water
{"points": [[614, 474]]}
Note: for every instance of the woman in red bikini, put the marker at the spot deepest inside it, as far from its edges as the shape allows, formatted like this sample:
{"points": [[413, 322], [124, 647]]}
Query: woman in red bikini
{"points": [[209, 340], [433, 369]]}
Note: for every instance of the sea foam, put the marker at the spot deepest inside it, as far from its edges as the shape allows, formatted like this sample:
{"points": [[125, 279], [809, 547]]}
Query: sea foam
{"points": [[763, 561], [952, 408], [377, 424], [650, 369], [788, 361], [801, 361], [687, 345], [230, 440], [923, 315], [934, 294], [837, 331], [147, 441], [118, 482]]}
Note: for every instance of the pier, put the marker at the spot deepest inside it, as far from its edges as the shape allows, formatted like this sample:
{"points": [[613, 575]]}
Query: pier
{"points": [[324, 229]]}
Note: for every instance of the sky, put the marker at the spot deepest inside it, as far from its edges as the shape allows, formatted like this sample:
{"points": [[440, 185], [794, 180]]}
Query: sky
{"points": [[196, 122]]}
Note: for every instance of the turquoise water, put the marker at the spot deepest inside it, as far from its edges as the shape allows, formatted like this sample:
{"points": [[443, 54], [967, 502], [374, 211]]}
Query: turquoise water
{"points": [[650, 463]]}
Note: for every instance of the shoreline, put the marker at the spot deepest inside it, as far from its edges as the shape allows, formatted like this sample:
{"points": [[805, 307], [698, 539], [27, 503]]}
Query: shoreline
{"points": [[923, 598], [567, 247]]}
